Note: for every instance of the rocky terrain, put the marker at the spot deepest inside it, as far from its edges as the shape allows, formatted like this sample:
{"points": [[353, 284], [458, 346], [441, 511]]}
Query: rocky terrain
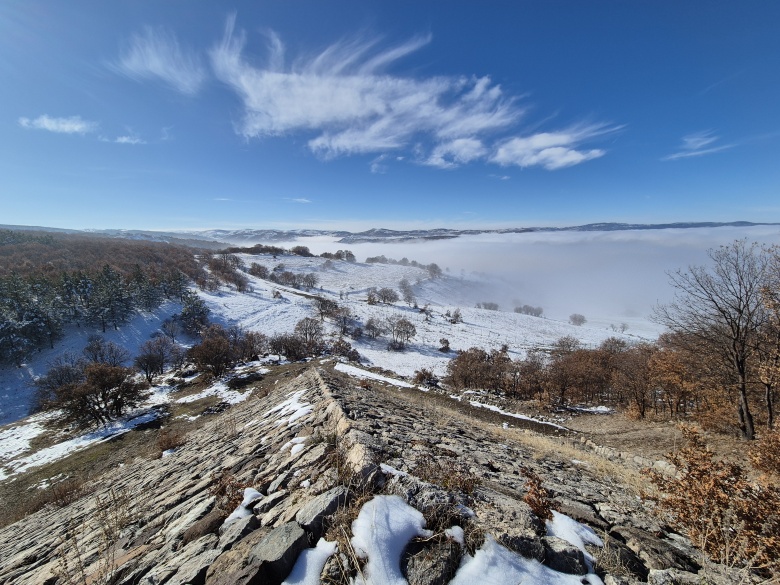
{"points": [[309, 454]]}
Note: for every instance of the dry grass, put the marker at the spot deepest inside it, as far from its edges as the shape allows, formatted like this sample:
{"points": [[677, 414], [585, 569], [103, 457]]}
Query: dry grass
{"points": [[168, 439], [454, 476], [227, 490], [598, 466]]}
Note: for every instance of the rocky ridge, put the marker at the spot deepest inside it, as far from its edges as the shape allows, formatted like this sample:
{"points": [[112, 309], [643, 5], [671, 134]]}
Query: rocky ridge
{"points": [[314, 449]]}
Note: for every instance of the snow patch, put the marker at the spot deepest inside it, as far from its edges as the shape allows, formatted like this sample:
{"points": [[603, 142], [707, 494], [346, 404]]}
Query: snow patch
{"points": [[291, 409], [381, 531], [310, 563], [476, 404], [365, 375], [493, 564], [219, 389], [242, 510], [573, 532]]}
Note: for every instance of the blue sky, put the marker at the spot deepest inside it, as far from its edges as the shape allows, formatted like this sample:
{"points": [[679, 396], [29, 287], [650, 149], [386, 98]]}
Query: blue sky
{"points": [[176, 114]]}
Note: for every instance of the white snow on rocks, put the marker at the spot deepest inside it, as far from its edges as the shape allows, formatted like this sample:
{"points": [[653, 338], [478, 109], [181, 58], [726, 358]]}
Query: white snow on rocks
{"points": [[310, 563], [381, 531], [251, 495], [493, 564], [291, 409], [366, 375], [573, 532]]}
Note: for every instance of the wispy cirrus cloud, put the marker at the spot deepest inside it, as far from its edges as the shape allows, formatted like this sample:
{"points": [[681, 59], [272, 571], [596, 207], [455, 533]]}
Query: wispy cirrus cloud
{"points": [[70, 125], [298, 199], [456, 152], [155, 53], [346, 98], [552, 150], [698, 144]]}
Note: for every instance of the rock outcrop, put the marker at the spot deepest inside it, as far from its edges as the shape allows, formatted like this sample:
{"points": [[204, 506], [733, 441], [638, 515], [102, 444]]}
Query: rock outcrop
{"points": [[310, 450]]}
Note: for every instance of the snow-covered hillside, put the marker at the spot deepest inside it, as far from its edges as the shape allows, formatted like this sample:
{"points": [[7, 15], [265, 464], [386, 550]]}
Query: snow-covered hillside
{"points": [[345, 283]]}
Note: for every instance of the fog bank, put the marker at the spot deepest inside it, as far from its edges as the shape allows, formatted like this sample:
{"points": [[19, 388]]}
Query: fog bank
{"points": [[610, 277]]}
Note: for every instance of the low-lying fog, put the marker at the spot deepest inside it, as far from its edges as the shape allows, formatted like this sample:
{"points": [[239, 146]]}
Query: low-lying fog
{"points": [[610, 277]]}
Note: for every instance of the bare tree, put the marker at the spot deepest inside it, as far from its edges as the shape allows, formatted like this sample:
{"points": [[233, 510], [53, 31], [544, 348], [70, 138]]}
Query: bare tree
{"points": [[387, 295], [577, 319], [374, 328], [407, 292], [401, 329], [721, 306], [310, 330], [325, 307]]}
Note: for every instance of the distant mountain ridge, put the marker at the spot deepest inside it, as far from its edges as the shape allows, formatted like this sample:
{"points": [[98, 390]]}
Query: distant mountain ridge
{"points": [[208, 238]]}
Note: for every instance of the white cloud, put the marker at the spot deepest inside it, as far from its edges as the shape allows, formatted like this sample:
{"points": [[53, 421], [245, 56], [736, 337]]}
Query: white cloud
{"points": [[299, 200], [551, 150], [156, 53], [456, 152], [378, 166], [129, 140], [349, 104], [698, 144], [344, 96], [72, 125]]}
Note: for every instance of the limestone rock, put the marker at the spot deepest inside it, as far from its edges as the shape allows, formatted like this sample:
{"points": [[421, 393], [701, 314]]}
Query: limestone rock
{"points": [[232, 567], [236, 530], [563, 557], [654, 552], [311, 516], [672, 577], [277, 552]]}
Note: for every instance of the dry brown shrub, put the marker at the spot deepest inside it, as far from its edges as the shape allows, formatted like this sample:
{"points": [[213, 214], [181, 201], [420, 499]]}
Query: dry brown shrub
{"points": [[170, 439], [454, 476], [718, 416], [537, 497], [633, 412], [764, 454], [227, 490], [735, 521]]}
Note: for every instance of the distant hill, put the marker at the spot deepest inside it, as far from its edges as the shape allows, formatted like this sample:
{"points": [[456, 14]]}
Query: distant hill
{"points": [[217, 237]]}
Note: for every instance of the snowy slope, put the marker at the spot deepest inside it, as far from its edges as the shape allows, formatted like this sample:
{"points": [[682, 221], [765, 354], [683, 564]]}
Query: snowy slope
{"points": [[345, 283], [16, 383]]}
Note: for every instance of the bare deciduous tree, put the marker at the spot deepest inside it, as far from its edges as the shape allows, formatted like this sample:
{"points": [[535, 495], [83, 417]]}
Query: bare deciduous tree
{"points": [[721, 306]]}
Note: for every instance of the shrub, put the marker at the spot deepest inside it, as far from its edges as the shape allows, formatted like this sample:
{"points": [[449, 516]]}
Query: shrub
{"points": [[765, 454], [168, 439], [425, 377], [343, 348], [387, 295], [537, 497], [227, 491], [730, 518], [213, 353], [293, 347], [105, 394], [258, 270], [577, 319]]}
